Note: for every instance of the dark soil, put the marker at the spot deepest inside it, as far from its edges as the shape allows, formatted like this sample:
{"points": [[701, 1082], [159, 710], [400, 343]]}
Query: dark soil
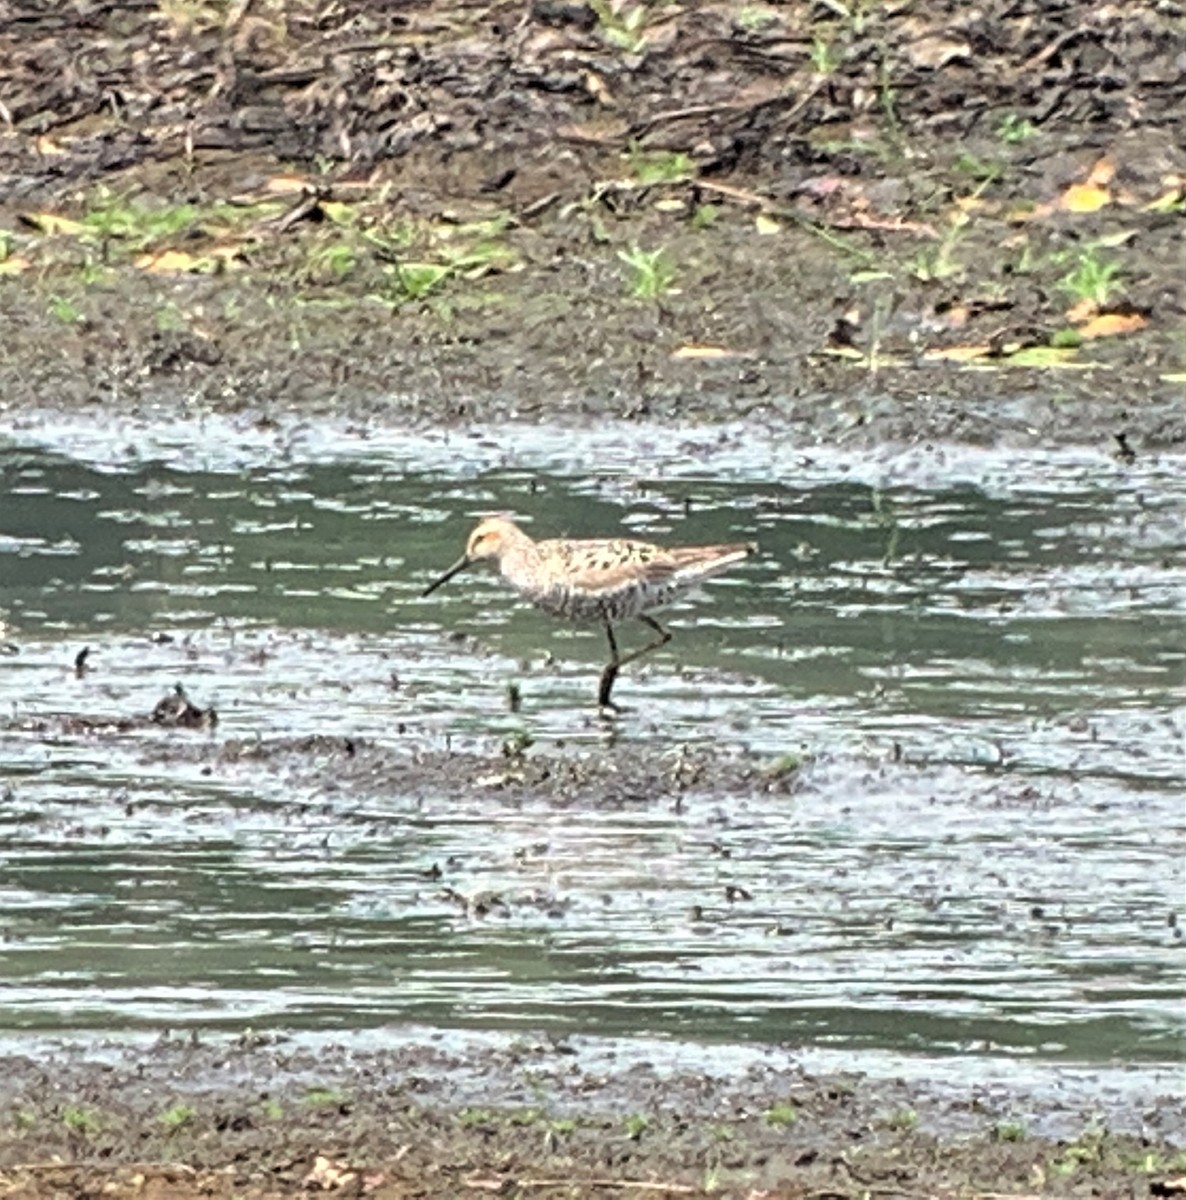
{"points": [[259, 1118], [877, 217]]}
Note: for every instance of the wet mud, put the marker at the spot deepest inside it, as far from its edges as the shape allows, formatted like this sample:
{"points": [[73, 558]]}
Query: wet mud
{"points": [[859, 223], [260, 1118]]}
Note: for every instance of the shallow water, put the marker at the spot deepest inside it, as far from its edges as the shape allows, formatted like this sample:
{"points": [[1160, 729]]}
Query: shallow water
{"points": [[978, 655]]}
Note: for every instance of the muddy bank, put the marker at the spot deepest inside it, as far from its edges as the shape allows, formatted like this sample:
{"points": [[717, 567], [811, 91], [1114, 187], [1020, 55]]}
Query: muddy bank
{"points": [[262, 1116], [862, 224]]}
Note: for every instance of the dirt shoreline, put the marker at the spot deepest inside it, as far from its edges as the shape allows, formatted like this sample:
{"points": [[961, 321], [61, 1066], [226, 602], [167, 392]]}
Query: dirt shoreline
{"points": [[261, 1117], [859, 224]]}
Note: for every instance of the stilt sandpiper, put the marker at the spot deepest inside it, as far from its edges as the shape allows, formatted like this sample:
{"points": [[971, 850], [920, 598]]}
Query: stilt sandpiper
{"points": [[596, 581]]}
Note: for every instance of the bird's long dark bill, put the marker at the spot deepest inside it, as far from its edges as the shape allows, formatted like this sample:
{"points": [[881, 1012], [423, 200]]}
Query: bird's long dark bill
{"points": [[455, 569]]}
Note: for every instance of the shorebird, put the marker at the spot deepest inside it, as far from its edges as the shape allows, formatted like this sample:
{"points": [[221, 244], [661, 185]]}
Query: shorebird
{"points": [[596, 581]]}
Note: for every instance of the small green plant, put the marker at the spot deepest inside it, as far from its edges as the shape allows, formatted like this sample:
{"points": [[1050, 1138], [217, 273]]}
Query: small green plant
{"points": [[334, 261], [636, 1126], [705, 216], [273, 1110], [24, 1119], [1091, 279], [781, 1115], [1015, 129], [81, 1120], [1009, 1131], [855, 14], [977, 168], [470, 1118], [169, 318], [652, 273], [415, 280], [623, 26], [324, 1098], [177, 1116], [517, 743], [64, 310], [783, 766], [1088, 1149], [140, 224], [525, 1117], [824, 56], [659, 166], [905, 1119], [753, 18]]}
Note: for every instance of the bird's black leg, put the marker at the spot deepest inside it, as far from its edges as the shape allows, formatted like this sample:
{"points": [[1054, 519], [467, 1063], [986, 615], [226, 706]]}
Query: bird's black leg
{"points": [[609, 674], [617, 661], [662, 640]]}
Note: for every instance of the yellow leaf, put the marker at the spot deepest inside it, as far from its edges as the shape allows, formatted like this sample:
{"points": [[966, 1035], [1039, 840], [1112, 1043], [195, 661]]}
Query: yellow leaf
{"points": [[1045, 356], [14, 265], [1111, 324], [1085, 198], [1028, 211], [285, 185], [1083, 311], [47, 146], [766, 225], [337, 211], [1101, 174], [1118, 238], [1167, 201], [970, 204], [171, 260], [51, 223], [692, 351], [596, 87], [957, 353], [226, 252]]}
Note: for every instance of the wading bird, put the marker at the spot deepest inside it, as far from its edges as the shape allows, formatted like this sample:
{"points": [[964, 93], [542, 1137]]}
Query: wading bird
{"points": [[596, 581]]}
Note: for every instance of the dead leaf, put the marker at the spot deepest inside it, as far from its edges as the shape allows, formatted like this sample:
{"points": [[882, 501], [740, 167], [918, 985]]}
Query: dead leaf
{"points": [[165, 261], [1102, 173], [1091, 195], [181, 262], [329, 1175], [14, 264], [286, 185], [957, 353], [51, 223], [1046, 357], [1167, 201], [766, 225], [598, 89], [934, 52], [1111, 324], [1084, 198], [703, 352], [47, 146], [1082, 312]]}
